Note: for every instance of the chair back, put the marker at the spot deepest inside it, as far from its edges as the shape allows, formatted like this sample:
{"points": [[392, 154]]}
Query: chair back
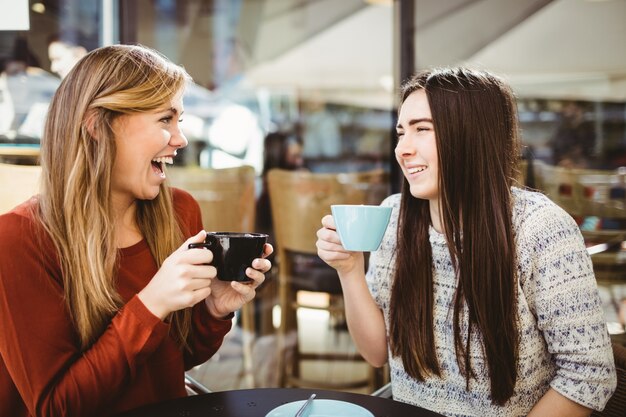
{"points": [[226, 195], [17, 184], [300, 199]]}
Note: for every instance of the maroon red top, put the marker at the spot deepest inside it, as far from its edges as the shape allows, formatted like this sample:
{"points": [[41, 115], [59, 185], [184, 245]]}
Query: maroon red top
{"points": [[134, 362]]}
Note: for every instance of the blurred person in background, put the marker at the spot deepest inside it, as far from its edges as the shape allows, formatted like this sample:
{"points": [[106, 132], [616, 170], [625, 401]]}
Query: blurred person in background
{"points": [[102, 305], [280, 151], [25, 90], [482, 296], [65, 50], [574, 141]]}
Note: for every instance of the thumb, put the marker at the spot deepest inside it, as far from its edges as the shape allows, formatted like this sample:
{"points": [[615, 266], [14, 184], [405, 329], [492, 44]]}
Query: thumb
{"points": [[198, 238]]}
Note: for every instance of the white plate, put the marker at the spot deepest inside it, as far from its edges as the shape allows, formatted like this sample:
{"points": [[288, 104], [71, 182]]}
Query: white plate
{"points": [[321, 408]]}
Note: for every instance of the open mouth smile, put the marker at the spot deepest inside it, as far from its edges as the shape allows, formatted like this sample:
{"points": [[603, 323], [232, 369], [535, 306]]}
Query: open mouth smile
{"points": [[158, 164]]}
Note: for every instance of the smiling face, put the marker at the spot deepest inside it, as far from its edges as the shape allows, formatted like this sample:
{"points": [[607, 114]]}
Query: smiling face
{"points": [[416, 150], [145, 142]]}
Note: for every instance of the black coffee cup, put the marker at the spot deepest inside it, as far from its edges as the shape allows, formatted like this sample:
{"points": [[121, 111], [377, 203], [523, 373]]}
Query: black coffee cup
{"points": [[233, 252]]}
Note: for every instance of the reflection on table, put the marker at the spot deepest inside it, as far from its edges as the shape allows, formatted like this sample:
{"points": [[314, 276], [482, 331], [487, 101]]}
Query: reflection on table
{"points": [[19, 153], [259, 402]]}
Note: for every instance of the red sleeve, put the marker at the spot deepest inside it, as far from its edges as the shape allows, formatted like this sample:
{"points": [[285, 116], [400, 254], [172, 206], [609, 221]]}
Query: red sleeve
{"points": [[38, 343], [207, 331], [208, 335]]}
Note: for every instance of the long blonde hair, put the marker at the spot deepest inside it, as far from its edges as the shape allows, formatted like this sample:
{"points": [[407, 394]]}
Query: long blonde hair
{"points": [[75, 206]]}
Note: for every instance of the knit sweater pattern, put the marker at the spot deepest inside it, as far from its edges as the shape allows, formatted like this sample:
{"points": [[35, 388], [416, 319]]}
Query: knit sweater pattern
{"points": [[564, 343]]}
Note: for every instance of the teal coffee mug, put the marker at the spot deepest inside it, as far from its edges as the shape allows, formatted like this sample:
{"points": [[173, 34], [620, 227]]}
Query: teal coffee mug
{"points": [[361, 227]]}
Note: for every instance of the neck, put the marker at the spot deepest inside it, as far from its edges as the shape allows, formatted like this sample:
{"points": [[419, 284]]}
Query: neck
{"points": [[435, 216], [127, 231]]}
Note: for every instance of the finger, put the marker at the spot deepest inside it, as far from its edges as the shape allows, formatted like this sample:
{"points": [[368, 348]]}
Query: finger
{"points": [[257, 276], [198, 284], [202, 271], [246, 291], [198, 256], [330, 245], [197, 238], [333, 255], [328, 222], [267, 250], [328, 235], [261, 264], [200, 294]]}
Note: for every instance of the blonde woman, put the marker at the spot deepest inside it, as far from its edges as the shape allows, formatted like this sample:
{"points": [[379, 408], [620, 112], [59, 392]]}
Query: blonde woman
{"points": [[102, 306]]}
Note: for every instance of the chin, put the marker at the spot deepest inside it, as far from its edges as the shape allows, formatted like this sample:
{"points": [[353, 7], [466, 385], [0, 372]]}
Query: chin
{"points": [[150, 195], [421, 193]]}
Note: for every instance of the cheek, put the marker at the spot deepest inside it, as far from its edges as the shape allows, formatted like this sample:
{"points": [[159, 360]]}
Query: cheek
{"points": [[397, 152]]}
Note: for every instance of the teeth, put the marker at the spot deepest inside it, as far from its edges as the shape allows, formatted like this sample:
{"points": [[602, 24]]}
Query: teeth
{"points": [[415, 170], [164, 159]]}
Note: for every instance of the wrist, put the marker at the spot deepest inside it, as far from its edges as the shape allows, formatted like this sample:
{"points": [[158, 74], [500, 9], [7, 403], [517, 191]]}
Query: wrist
{"points": [[152, 306], [214, 312]]}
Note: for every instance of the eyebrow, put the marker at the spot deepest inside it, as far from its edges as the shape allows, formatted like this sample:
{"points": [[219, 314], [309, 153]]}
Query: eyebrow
{"points": [[415, 121], [173, 110]]}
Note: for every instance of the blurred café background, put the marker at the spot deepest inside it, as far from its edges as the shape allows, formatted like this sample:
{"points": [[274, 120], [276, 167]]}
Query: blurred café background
{"points": [[309, 87]]}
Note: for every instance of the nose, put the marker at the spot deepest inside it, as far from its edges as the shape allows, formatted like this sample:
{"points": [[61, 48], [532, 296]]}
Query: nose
{"points": [[404, 148], [178, 139]]}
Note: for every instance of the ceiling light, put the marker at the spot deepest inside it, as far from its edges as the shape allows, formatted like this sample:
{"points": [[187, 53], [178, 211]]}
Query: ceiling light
{"points": [[38, 8]]}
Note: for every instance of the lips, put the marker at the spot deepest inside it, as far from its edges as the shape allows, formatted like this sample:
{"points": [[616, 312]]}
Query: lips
{"points": [[416, 169], [158, 164]]}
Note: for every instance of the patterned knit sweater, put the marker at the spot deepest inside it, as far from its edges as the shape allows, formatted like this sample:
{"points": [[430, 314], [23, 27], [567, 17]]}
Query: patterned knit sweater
{"points": [[564, 342]]}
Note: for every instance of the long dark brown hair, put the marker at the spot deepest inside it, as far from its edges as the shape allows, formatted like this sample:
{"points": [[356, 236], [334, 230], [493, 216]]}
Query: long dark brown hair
{"points": [[475, 121]]}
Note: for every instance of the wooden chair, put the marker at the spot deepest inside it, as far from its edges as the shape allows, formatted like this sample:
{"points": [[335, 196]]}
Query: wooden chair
{"points": [[226, 196], [616, 407], [299, 200], [17, 184], [227, 201]]}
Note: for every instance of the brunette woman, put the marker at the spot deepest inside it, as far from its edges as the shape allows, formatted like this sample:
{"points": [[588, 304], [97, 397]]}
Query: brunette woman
{"points": [[482, 296]]}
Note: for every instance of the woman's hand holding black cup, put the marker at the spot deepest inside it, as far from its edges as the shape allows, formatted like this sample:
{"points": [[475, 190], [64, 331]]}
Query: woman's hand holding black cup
{"points": [[229, 296], [184, 279]]}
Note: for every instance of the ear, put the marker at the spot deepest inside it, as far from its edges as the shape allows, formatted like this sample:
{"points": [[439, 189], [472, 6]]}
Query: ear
{"points": [[89, 122]]}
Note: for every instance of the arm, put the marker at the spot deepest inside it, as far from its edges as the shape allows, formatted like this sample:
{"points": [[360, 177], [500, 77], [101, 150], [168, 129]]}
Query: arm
{"points": [[211, 320], [38, 343], [563, 296], [365, 320], [553, 404], [208, 335]]}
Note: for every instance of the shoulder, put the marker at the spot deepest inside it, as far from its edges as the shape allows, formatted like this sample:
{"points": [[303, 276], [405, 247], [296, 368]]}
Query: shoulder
{"points": [[19, 223], [544, 231], [183, 201], [392, 201], [187, 210], [532, 208], [24, 236]]}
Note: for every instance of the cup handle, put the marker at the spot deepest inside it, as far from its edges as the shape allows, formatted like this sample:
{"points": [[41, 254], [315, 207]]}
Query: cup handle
{"points": [[209, 243]]}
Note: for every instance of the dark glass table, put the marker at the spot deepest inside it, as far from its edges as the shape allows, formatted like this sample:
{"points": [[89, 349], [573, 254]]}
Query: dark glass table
{"points": [[259, 402]]}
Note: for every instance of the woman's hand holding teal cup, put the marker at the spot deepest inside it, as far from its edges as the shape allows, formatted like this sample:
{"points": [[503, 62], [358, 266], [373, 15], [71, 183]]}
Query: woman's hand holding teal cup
{"points": [[361, 227]]}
